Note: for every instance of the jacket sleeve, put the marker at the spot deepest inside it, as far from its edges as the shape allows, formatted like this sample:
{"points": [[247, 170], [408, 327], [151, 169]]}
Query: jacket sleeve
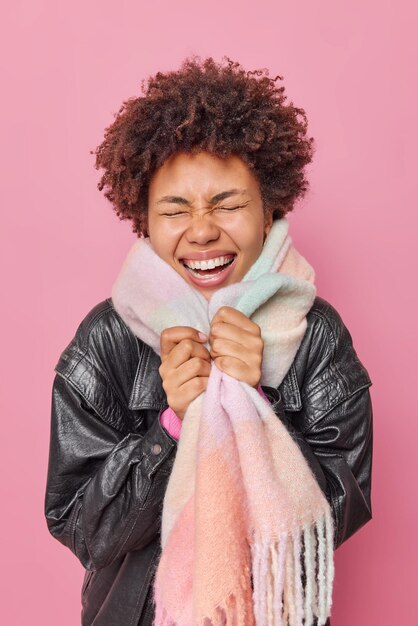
{"points": [[334, 428], [105, 490]]}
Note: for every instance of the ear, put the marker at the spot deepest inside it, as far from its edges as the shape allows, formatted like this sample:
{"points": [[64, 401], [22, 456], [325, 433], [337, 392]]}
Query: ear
{"points": [[268, 222]]}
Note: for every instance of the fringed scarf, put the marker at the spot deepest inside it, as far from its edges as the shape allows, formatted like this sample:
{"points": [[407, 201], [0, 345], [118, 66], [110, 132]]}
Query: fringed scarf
{"points": [[246, 532]]}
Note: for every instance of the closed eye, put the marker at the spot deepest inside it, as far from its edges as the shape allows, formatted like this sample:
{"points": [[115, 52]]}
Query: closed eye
{"points": [[220, 208], [173, 214]]}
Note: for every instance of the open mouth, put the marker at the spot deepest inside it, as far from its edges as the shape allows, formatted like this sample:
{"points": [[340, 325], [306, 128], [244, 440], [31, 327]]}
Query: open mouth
{"points": [[212, 277]]}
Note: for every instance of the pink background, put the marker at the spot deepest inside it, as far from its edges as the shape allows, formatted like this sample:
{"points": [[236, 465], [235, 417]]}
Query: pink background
{"points": [[66, 68]]}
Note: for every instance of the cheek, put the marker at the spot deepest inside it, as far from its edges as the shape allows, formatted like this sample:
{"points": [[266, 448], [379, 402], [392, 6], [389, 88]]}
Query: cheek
{"points": [[165, 244], [246, 231], [249, 241]]}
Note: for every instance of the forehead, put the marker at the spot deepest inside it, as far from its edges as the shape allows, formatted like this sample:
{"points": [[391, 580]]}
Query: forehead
{"points": [[201, 173]]}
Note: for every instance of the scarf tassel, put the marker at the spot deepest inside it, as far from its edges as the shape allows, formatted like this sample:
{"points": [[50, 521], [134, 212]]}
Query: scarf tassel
{"points": [[293, 576]]}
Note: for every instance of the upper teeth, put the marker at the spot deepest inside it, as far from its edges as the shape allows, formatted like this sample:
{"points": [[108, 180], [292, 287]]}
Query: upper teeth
{"points": [[208, 265]]}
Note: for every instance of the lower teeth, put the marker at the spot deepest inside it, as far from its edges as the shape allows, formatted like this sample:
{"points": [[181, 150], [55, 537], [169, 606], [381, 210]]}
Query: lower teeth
{"points": [[209, 276]]}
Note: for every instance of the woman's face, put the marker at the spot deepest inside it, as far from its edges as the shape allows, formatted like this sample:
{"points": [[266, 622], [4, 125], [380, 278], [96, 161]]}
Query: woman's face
{"points": [[202, 207]]}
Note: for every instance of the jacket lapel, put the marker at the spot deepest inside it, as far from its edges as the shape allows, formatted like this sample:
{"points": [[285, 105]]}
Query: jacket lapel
{"points": [[147, 390]]}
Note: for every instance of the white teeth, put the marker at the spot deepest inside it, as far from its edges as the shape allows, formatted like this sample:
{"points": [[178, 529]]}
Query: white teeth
{"points": [[208, 278], [208, 265]]}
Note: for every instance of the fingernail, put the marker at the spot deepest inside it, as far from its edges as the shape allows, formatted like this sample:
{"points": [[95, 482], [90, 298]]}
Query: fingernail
{"points": [[202, 336]]}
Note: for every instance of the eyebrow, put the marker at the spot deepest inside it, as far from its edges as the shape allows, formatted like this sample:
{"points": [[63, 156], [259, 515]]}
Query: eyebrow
{"points": [[216, 198]]}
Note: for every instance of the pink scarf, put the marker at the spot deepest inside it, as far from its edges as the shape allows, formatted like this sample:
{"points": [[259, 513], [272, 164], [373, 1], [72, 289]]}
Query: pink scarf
{"points": [[246, 532]]}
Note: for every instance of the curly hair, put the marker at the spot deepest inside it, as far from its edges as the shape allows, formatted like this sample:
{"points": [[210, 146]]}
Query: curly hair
{"points": [[224, 110]]}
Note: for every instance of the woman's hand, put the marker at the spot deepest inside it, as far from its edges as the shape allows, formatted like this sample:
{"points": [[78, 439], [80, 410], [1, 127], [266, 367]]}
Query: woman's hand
{"points": [[185, 366], [236, 345]]}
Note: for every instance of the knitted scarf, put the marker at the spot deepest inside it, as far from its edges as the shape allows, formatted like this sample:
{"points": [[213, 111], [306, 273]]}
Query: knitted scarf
{"points": [[246, 532]]}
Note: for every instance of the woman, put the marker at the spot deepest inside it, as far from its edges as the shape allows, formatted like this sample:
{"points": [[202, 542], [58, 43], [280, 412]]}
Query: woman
{"points": [[206, 165]]}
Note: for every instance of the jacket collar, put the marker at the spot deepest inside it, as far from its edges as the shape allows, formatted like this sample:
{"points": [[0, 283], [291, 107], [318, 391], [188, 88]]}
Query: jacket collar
{"points": [[289, 388]]}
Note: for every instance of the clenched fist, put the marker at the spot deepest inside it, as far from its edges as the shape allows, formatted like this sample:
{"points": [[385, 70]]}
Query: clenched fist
{"points": [[236, 345], [185, 366]]}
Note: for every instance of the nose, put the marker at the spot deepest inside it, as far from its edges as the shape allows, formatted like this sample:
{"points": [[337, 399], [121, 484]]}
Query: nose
{"points": [[202, 230]]}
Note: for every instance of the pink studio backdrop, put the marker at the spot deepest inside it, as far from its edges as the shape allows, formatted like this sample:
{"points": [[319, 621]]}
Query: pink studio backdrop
{"points": [[66, 68]]}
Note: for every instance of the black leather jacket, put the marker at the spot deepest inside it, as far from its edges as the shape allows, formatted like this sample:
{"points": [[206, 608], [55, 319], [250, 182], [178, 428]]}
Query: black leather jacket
{"points": [[110, 458]]}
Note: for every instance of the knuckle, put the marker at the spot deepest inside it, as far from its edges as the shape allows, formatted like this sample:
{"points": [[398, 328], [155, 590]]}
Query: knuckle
{"points": [[221, 361], [215, 327], [216, 344], [258, 341], [187, 344], [195, 364], [196, 382]]}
